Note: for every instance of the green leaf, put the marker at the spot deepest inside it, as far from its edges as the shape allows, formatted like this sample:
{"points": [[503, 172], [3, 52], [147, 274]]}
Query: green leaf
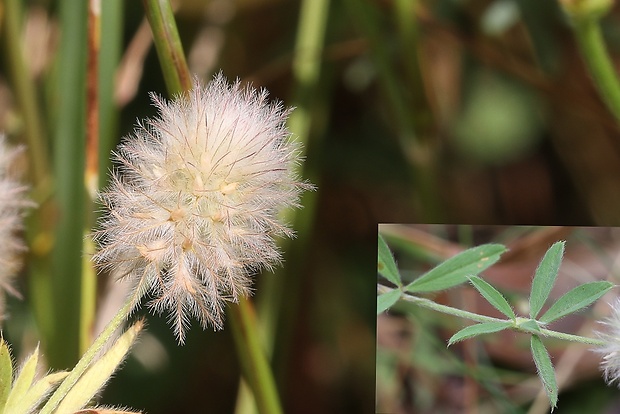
{"points": [[576, 299], [491, 294], [528, 325], [6, 373], [544, 278], [545, 369], [97, 375], [23, 381], [387, 299], [386, 266], [478, 329], [38, 391], [456, 269]]}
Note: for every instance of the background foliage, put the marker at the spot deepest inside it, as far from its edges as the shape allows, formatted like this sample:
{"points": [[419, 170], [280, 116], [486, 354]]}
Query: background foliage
{"points": [[422, 111]]}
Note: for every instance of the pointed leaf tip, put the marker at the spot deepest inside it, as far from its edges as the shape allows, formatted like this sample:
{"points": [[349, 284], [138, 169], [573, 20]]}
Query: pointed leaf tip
{"points": [[387, 299], [576, 299], [544, 277], [386, 266], [478, 329], [546, 373], [492, 295], [23, 381], [6, 373], [456, 269]]}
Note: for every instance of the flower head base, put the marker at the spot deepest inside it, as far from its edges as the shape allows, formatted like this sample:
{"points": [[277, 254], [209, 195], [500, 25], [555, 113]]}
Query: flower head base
{"points": [[193, 207], [610, 363], [12, 206]]}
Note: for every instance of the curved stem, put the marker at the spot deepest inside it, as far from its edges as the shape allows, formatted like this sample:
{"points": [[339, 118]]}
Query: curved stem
{"points": [[449, 310], [252, 356], [588, 32], [168, 46]]}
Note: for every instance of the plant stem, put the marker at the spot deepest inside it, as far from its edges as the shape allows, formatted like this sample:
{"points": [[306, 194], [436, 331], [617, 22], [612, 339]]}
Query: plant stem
{"points": [[252, 357], [88, 357], [449, 310], [278, 291], [168, 46], [588, 32], [26, 95], [63, 347]]}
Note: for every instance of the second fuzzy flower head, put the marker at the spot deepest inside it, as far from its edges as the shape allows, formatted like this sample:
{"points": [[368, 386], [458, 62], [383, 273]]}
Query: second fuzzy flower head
{"points": [[193, 206]]}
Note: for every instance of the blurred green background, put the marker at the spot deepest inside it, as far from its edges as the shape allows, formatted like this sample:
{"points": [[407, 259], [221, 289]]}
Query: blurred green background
{"points": [[440, 111]]}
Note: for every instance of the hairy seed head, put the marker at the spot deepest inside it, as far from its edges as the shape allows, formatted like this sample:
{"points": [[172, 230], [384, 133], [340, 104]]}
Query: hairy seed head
{"points": [[193, 206], [12, 206], [610, 363]]}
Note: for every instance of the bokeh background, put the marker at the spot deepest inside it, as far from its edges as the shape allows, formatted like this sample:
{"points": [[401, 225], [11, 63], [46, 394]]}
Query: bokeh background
{"points": [[426, 111]]}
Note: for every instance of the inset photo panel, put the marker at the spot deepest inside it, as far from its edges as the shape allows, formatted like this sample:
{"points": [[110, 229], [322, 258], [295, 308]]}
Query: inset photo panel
{"points": [[497, 319]]}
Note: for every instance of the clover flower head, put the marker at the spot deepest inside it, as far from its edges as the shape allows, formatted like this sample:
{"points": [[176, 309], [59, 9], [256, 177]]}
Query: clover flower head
{"points": [[12, 206], [193, 206], [610, 363]]}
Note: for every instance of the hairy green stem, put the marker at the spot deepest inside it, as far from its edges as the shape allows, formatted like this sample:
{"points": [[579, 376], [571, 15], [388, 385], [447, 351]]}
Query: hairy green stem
{"points": [[88, 357], [252, 357], [449, 310]]}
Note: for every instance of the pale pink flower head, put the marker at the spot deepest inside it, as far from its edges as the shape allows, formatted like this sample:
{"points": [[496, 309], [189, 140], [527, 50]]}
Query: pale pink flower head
{"points": [[13, 204], [194, 206]]}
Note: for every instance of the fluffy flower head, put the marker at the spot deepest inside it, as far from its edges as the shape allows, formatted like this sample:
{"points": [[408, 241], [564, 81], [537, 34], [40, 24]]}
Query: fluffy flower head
{"points": [[610, 363], [12, 206], [193, 207]]}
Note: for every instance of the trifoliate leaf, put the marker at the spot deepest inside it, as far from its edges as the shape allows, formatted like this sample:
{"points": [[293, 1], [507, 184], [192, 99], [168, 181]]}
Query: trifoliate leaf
{"points": [[387, 299], [478, 329], [576, 299], [491, 294], [386, 266], [455, 270], [545, 369], [545, 276]]}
